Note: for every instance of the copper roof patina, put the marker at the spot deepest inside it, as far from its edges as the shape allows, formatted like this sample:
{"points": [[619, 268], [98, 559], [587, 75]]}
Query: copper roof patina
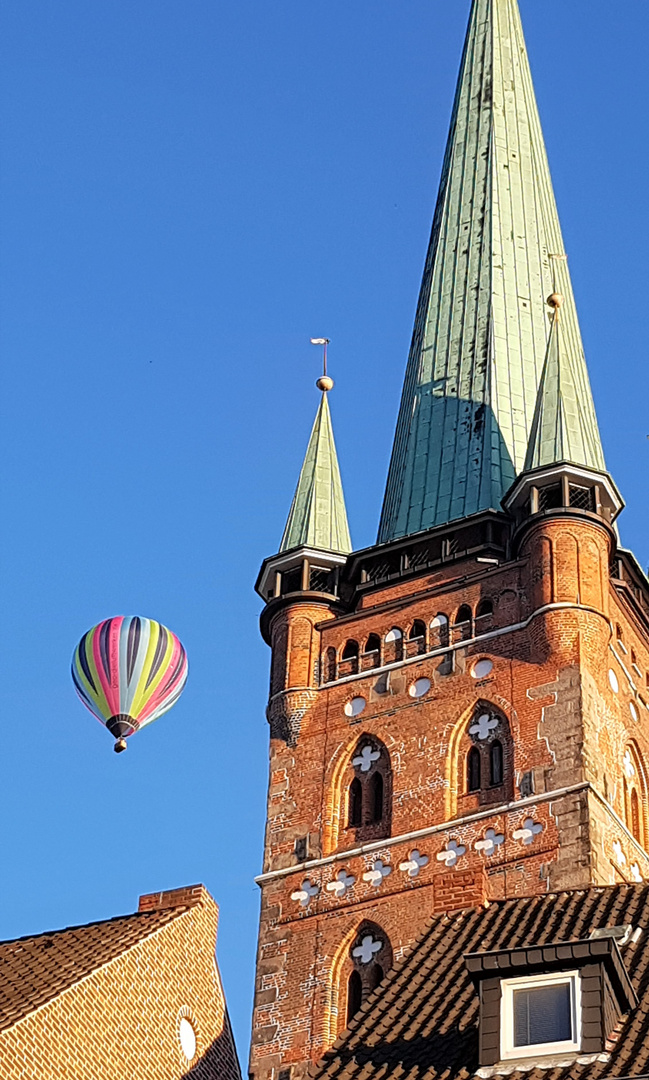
{"points": [[481, 329], [318, 518], [564, 427]]}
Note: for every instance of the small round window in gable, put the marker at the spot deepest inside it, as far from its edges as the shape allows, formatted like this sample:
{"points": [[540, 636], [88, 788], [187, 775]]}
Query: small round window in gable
{"points": [[633, 711], [355, 706], [612, 679], [482, 668], [187, 1037], [419, 687]]}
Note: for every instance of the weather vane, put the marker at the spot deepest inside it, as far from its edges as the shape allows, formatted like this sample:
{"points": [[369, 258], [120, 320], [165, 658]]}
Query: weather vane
{"points": [[324, 383]]}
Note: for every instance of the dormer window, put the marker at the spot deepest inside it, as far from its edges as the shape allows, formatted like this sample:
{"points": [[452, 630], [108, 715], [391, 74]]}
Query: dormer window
{"points": [[540, 1015], [566, 997]]}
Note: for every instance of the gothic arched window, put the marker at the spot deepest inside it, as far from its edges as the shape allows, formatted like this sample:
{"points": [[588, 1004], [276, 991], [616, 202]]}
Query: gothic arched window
{"points": [[370, 790], [488, 753], [370, 957]]}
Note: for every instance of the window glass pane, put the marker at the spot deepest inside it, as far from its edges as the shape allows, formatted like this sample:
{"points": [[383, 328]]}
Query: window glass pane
{"points": [[542, 1015]]}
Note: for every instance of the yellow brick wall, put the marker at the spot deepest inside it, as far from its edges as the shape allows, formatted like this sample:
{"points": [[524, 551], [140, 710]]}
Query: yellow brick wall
{"points": [[121, 1022]]}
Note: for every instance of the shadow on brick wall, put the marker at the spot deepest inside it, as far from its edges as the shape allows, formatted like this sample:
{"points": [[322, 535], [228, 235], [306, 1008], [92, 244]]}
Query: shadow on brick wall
{"points": [[219, 1062]]}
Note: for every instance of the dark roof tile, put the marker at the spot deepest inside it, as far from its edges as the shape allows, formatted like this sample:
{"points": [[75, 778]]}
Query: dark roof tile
{"points": [[34, 970], [422, 1023]]}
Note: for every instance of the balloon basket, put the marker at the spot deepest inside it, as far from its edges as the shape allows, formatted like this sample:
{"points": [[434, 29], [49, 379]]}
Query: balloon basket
{"points": [[120, 745]]}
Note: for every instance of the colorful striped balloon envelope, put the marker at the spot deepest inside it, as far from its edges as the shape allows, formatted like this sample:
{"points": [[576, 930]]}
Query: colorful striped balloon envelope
{"points": [[129, 671]]}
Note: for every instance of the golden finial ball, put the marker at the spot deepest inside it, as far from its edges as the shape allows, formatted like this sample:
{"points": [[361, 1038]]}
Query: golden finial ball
{"points": [[325, 383], [555, 300]]}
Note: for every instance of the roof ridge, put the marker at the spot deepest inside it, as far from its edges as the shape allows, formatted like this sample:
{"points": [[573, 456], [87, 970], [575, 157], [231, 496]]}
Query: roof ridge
{"points": [[94, 922], [67, 970]]}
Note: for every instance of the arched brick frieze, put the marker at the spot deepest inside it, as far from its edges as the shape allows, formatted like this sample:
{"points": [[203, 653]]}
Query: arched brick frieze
{"points": [[302, 660], [566, 568], [278, 664]]}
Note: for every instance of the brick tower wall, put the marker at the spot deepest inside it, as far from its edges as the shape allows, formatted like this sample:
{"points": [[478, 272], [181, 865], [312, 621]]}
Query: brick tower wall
{"points": [[574, 751]]}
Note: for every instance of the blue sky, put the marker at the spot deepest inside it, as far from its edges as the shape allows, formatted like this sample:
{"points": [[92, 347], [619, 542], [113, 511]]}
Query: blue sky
{"points": [[188, 192]]}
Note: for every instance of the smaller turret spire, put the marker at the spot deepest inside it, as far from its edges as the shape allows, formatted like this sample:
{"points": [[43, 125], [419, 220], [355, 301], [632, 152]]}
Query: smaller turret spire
{"points": [[318, 518], [564, 426]]}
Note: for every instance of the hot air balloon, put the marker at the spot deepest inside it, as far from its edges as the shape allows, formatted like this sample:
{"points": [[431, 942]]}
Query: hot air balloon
{"points": [[129, 671]]}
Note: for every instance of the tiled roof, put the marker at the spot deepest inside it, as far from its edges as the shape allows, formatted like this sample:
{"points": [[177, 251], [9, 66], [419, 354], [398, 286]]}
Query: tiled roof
{"points": [[33, 970], [423, 1021]]}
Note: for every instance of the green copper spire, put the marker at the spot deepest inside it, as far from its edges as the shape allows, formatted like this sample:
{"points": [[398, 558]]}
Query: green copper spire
{"points": [[318, 518], [481, 329], [564, 427]]}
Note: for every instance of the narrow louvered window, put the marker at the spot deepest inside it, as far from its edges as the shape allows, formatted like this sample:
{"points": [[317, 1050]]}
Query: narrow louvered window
{"points": [[354, 995], [355, 803], [376, 797], [496, 764], [473, 769]]}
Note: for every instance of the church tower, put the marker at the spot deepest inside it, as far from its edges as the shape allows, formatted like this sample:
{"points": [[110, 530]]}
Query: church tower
{"points": [[459, 713]]}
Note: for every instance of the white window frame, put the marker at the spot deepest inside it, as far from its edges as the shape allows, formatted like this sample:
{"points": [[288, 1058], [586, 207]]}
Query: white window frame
{"points": [[509, 986]]}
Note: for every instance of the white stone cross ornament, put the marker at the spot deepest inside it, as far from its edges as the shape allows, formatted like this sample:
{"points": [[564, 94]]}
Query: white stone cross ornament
{"points": [[491, 841], [364, 760], [343, 881], [620, 857], [629, 767], [367, 948], [377, 873], [635, 872], [414, 863], [451, 853], [305, 893], [483, 725], [529, 829]]}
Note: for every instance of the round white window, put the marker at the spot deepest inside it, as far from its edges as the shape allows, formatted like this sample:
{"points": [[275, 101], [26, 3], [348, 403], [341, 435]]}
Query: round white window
{"points": [[612, 679], [187, 1038], [419, 687], [633, 711], [355, 706], [482, 668]]}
